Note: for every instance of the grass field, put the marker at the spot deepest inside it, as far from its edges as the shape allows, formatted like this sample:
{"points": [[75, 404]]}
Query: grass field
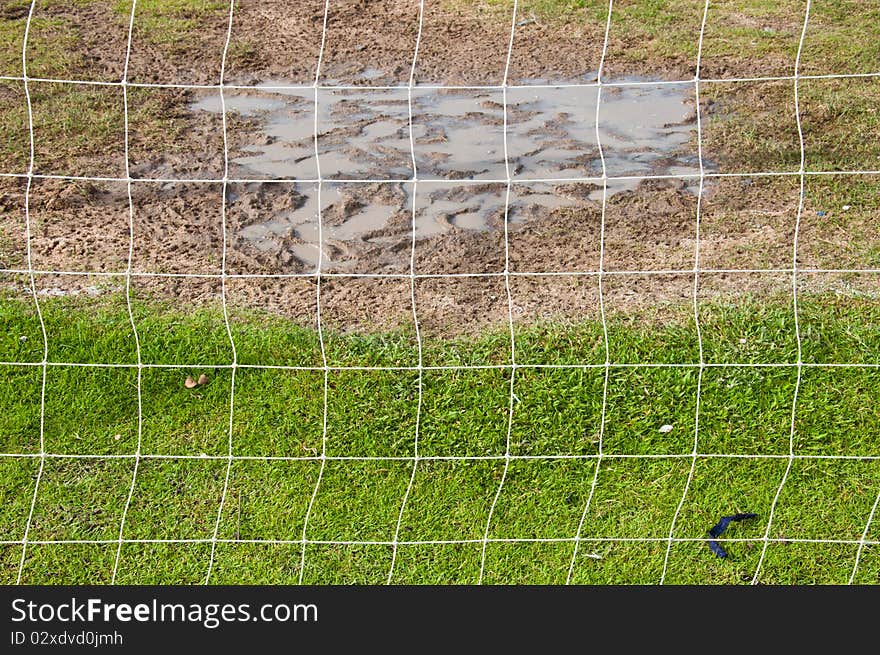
{"points": [[464, 413]]}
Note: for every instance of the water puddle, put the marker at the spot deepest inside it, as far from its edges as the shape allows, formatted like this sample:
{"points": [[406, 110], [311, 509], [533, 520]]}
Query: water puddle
{"points": [[457, 134]]}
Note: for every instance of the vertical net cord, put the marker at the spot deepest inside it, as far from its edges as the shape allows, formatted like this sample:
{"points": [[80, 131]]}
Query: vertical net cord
{"points": [[412, 289], [320, 265], [223, 297], [27, 217], [690, 477], [509, 301], [580, 527], [852, 577], [137, 342], [794, 292]]}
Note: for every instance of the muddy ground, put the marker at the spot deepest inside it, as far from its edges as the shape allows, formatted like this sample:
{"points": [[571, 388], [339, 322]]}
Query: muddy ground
{"points": [[552, 227]]}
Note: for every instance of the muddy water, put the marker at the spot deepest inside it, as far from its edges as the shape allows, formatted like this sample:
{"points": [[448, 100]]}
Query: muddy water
{"points": [[365, 135]]}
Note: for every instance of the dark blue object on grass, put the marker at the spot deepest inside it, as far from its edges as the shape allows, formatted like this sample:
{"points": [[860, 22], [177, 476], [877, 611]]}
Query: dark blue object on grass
{"points": [[718, 529]]}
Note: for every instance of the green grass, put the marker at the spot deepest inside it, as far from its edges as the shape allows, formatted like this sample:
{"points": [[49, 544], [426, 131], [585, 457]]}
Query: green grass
{"points": [[172, 22], [843, 36], [78, 129], [556, 411], [53, 39]]}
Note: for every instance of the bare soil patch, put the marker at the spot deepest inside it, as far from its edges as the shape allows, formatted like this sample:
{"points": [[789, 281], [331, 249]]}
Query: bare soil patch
{"points": [[178, 227]]}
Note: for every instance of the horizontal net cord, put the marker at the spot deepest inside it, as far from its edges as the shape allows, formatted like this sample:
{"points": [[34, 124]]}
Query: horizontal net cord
{"points": [[445, 542], [440, 458], [438, 87], [406, 276], [515, 180], [459, 367]]}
